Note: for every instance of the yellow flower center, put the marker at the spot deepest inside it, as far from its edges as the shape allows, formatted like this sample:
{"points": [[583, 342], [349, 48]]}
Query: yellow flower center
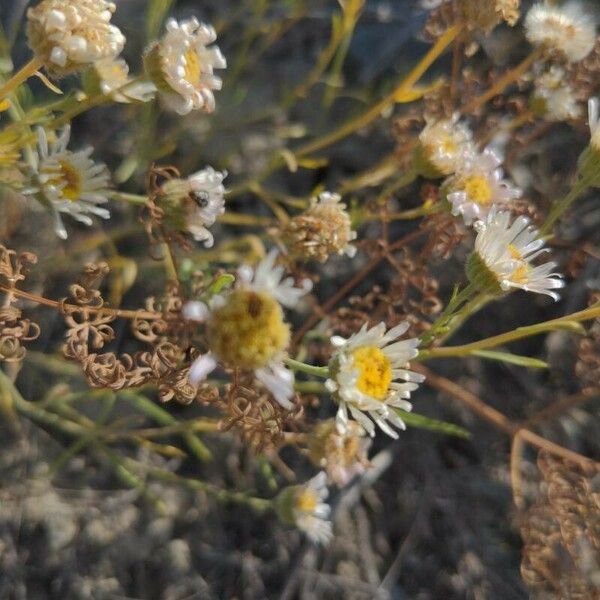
{"points": [[448, 144], [70, 180], [375, 371], [248, 331], [193, 69], [521, 273], [306, 501], [478, 189]]}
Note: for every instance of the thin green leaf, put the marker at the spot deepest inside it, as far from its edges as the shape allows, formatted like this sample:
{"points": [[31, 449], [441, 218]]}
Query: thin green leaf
{"points": [[423, 422], [513, 359]]}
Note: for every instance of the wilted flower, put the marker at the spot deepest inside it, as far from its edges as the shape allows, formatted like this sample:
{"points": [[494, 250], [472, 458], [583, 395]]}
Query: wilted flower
{"points": [[477, 186], [321, 230], [369, 376], [69, 182], [503, 255], [304, 506], [442, 147], [554, 98], [68, 35], [246, 327], [341, 455], [488, 14], [182, 66], [110, 77], [566, 29], [194, 203]]}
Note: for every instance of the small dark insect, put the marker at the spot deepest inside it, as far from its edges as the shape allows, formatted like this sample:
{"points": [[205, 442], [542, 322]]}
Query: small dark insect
{"points": [[201, 198]]}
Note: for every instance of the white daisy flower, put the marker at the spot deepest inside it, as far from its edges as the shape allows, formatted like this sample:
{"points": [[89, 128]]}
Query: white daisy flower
{"points": [[69, 182], [554, 98], [504, 251], [246, 327], [443, 146], [567, 29], [305, 507], [369, 377], [110, 76], [68, 35], [182, 66], [195, 203], [478, 185]]}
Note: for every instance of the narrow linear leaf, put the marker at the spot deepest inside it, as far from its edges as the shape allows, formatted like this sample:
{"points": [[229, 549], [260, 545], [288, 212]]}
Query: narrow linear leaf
{"points": [[423, 422], [513, 359]]}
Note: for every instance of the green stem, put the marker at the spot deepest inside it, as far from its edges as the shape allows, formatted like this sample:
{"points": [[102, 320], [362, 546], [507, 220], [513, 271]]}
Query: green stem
{"points": [[310, 387], [521, 332], [130, 198], [162, 417], [563, 205], [296, 365], [451, 310]]}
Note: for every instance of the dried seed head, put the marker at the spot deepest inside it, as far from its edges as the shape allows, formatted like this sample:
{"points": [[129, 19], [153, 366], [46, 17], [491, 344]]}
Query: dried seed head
{"points": [[248, 331], [554, 98], [68, 35], [341, 455], [323, 229], [488, 14], [567, 30]]}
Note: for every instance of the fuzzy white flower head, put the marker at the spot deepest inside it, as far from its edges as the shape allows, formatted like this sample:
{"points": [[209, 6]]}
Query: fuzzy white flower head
{"points": [[502, 260], [110, 76], [369, 377], [554, 98], [194, 203], [69, 182], [479, 185], [182, 66], [246, 327], [305, 507], [68, 35], [443, 146], [567, 29]]}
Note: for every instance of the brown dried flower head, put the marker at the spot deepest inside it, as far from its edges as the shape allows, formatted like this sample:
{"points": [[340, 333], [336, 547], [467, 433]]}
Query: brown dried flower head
{"points": [[323, 229], [487, 14], [342, 456]]}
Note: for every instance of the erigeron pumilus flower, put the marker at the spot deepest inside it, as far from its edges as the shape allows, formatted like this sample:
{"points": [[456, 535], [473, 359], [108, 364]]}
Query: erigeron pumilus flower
{"points": [[442, 147], [477, 186], [321, 230], [567, 29], [110, 77], [554, 98], [341, 455], [194, 203], [503, 256], [181, 65], [68, 35], [305, 507], [69, 182], [245, 328], [487, 14], [369, 378]]}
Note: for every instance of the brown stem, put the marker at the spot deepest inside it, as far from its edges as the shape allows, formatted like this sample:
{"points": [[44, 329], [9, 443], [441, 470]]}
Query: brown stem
{"points": [[125, 314], [500, 421]]}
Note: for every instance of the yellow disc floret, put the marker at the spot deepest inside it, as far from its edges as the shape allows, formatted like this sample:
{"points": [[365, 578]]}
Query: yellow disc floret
{"points": [[306, 501], [375, 371], [478, 189], [248, 331]]}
